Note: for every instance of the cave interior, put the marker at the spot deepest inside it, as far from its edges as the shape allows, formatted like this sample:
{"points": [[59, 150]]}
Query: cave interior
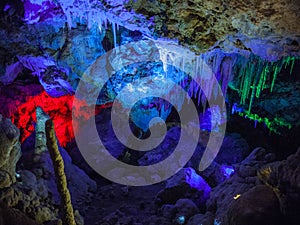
{"points": [[125, 112]]}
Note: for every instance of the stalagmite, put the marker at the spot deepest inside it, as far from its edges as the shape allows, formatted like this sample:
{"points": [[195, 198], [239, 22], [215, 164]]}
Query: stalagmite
{"points": [[61, 181], [40, 135]]}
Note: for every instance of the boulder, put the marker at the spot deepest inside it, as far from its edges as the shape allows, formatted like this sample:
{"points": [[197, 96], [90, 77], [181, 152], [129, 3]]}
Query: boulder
{"points": [[244, 178], [259, 206], [284, 178], [185, 208], [185, 184]]}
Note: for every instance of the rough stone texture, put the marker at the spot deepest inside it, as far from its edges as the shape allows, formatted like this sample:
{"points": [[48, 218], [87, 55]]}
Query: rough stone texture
{"points": [[283, 102], [11, 216], [234, 149], [266, 28], [26, 199], [67, 53], [259, 206], [284, 178], [36, 194], [186, 208], [43, 177], [11, 196], [10, 151], [223, 195], [233, 24], [163, 150], [80, 185], [31, 182], [40, 139], [185, 184]]}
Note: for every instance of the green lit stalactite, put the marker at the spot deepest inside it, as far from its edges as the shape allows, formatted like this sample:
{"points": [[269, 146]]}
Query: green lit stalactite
{"points": [[272, 125], [292, 66], [256, 75], [274, 77], [246, 85], [262, 81], [290, 60]]}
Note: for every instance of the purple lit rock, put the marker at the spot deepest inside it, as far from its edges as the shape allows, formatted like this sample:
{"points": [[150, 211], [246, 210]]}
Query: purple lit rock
{"points": [[185, 184], [55, 82], [40, 10], [11, 73], [52, 78]]}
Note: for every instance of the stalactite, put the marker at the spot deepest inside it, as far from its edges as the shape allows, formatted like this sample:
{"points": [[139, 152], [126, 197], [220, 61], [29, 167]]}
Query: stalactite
{"points": [[276, 71], [262, 81], [271, 124], [255, 75], [83, 12], [114, 33]]}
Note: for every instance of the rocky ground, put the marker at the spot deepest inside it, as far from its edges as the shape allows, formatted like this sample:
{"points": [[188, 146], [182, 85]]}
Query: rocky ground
{"points": [[260, 190]]}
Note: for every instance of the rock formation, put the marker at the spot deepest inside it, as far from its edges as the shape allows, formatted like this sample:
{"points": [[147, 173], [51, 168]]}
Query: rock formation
{"points": [[10, 152]]}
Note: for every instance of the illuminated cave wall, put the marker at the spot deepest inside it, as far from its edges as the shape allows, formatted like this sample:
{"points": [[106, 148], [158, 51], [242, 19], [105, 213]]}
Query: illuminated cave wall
{"points": [[55, 42]]}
